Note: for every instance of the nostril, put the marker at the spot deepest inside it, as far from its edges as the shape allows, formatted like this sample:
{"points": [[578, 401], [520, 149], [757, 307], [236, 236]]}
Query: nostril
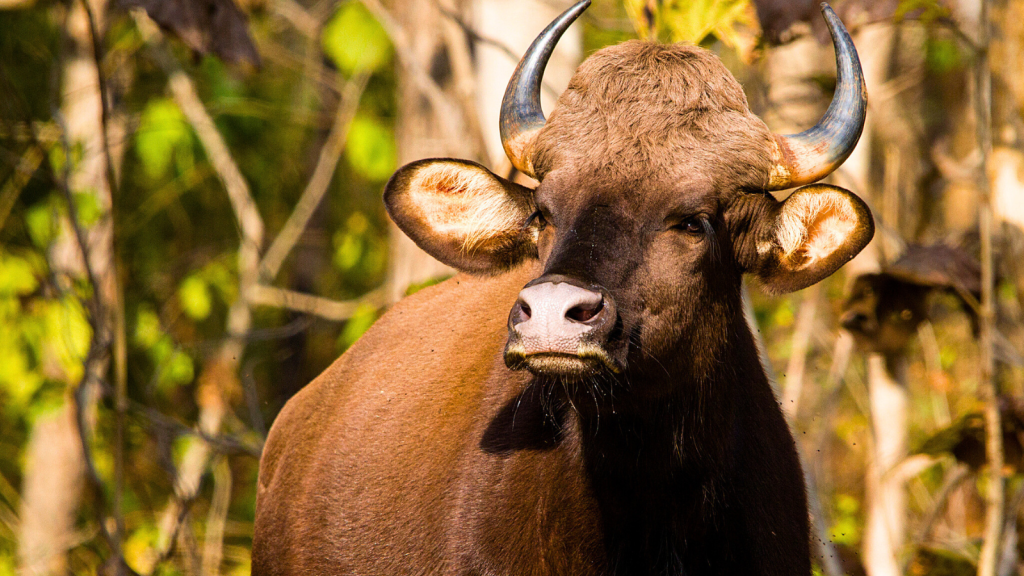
{"points": [[585, 312], [521, 312]]}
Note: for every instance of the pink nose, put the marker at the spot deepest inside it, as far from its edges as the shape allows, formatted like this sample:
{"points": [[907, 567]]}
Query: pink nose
{"points": [[557, 317]]}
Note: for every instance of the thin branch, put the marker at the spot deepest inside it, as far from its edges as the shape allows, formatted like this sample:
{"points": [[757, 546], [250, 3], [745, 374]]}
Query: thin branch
{"points": [[120, 341], [995, 498], [295, 14], [27, 166], [97, 53], [330, 154], [224, 362], [796, 366], [222, 443], [213, 540], [97, 357], [476, 36], [335, 310], [464, 82], [953, 481]]}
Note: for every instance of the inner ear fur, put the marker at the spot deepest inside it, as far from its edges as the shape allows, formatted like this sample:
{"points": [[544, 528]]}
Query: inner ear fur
{"points": [[811, 235], [462, 214]]}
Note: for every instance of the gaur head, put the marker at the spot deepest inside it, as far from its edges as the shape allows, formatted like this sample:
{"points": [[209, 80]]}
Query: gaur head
{"points": [[653, 201]]}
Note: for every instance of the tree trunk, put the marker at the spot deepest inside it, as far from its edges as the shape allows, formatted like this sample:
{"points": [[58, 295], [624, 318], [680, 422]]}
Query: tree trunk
{"points": [[885, 524], [54, 460]]}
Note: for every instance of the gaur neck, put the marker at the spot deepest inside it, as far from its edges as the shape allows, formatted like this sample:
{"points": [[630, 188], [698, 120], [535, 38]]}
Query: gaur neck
{"points": [[657, 470]]}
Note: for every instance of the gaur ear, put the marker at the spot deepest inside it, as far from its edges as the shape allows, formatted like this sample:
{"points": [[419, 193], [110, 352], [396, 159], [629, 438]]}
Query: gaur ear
{"points": [[810, 235], [462, 214]]}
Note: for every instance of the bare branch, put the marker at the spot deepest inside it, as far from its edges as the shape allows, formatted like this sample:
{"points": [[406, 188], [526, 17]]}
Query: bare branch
{"points": [[318, 183], [297, 16], [41, 138], [952, 482], [801, 346], [213, 541], [309, 304], [995, 497]]}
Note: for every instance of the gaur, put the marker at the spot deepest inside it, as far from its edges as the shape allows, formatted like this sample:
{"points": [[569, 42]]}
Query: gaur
{"points": [[585, 396]]}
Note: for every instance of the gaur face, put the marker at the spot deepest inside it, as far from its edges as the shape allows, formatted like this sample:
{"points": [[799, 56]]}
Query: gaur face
{"points": [[651, 205]]}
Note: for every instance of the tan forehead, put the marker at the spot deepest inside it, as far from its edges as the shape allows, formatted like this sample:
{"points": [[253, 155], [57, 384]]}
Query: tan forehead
{"points": [[640, 108]]}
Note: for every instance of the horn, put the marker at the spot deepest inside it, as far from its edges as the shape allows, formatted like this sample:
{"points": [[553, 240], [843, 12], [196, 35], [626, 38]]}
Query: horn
{"points": [[521, 114], [811, 155]]}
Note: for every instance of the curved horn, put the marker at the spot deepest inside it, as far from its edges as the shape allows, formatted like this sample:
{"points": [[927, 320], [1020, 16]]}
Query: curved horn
{"points": [[521, 114], [811, 155]]}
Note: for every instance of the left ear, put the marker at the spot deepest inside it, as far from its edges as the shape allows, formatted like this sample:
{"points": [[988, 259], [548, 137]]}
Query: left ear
{"points": [[810, 235]]}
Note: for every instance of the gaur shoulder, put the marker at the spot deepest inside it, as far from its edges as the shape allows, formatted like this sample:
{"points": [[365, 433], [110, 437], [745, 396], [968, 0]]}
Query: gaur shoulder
{"points": [[426, 326]]}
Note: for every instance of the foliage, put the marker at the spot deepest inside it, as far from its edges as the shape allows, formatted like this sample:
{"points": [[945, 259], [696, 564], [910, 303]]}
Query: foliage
{"points": [[734, 22]]}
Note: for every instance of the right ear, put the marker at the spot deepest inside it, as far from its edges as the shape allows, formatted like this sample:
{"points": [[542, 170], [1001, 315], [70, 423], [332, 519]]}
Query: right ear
{"points": [[462, 214]]}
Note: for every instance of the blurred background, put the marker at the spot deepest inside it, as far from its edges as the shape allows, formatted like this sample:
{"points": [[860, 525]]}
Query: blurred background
{"points": [[191, 229]]}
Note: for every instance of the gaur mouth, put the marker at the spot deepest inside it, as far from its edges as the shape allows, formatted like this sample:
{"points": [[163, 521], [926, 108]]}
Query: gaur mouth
{"points": [[589, 360]]}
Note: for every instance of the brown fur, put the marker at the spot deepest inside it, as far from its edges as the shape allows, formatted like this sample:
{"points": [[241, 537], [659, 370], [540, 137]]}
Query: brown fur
{"points": [[640, 108], [421, 452]]}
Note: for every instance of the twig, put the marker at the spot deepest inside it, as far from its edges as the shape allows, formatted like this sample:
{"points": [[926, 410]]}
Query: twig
{"points": [[98, 355], [322, 307], [464, 81], [995, 498], [953, 481], [222, 443], [41, 139], [213, 540], [120, 341], [476, 36], [798, 357], [318, 183], [294, 13], [224, 362]]}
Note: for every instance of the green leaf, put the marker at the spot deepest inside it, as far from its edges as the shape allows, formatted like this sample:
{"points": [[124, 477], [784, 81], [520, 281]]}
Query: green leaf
{"points": [[163, 133], [350, 250], [355, 41], [942, 55], [178, 370], [371, 149], [16, 276], [194, 294], [40, 224], [351, 243], [357, 325], [88, 206], [147, 328], [220, 277]]}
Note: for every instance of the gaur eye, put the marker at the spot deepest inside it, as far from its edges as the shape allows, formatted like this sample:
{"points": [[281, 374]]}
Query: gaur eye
{"points": [[690, 226], [536, 219]]}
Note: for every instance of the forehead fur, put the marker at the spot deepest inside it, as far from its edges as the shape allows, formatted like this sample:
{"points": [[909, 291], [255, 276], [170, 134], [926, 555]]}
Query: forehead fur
{"points": [[641, 108]]}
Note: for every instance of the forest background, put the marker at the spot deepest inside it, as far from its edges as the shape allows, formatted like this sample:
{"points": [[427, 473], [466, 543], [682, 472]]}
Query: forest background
{"points": [[191, 229]]}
